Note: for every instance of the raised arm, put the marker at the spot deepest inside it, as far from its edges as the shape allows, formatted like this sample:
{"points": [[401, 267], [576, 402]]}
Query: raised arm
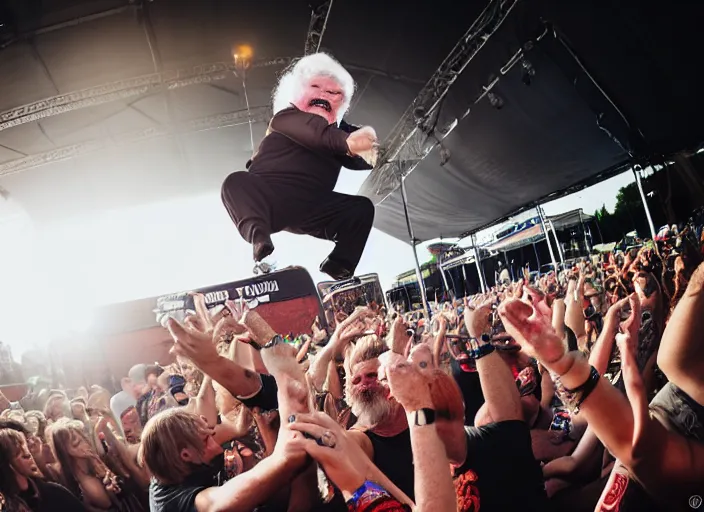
{"points": [[664, 462], [681, 352], [198, 347], [433, 486], [250, 489], [601, 351], [498, 385], [345, 332]]}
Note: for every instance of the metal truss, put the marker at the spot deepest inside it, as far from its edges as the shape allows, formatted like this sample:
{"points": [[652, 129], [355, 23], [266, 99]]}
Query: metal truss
{"points": [[125, 89], [318, 22], [408, 143], [214, 122]]}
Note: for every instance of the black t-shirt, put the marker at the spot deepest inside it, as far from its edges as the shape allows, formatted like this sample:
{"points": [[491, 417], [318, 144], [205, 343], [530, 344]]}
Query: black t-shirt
{"points": [[500, 473], [393, 456], [50, 497], [182, 497], [471, 388], [173, 498]]}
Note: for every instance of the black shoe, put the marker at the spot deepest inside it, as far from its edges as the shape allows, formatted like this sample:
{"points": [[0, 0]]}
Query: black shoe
{"points": [[262, 248], [336, 269]]}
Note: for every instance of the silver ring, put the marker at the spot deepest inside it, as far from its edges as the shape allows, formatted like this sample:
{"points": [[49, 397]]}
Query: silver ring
{"points": [[328, 439]]}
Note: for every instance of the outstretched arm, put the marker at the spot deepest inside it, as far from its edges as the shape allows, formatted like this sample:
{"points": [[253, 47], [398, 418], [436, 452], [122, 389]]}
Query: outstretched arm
{"points": [[353, 163], [681, 353], [248, 490]]}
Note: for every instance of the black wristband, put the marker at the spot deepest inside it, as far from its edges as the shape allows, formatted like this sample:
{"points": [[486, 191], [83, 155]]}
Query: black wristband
{"points": [[256, 346], [276, 340], [480, 347], [574, 398]]}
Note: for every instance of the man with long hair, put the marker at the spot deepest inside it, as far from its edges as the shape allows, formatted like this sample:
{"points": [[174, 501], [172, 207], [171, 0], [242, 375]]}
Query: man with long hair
{"points": [[289, 186], [188, 467]]}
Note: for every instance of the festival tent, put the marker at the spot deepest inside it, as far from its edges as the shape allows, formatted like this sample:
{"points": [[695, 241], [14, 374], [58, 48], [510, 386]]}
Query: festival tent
{"points": [[110, 104], [550, 97]]}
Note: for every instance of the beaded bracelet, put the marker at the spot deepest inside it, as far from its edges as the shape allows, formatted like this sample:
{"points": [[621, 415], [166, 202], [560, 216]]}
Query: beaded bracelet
{"points": [[366, 494]]}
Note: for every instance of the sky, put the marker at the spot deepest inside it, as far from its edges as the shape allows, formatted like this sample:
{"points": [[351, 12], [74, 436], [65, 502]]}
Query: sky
{"points": [[69, 268]]}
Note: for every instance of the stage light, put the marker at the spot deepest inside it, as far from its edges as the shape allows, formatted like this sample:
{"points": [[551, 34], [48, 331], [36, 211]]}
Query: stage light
{"points": [[243, 56]]}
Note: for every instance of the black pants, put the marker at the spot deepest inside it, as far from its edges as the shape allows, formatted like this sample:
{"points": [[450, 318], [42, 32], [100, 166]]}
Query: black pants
{"points": [[256, 205]]}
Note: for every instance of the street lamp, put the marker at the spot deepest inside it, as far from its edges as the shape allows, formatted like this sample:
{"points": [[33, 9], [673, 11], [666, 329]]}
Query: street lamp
{"points": [[242, 56]]}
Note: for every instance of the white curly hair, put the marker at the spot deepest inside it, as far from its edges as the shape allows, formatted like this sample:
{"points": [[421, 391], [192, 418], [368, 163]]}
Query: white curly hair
{"points": [[300, 72]]}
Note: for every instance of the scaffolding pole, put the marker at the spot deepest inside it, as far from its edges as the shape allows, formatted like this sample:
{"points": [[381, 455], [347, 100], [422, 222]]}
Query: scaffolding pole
{"points": [[537, 258], [466, 282], [584, 232], [419, 274], [444, 279], [637, 170], [560, 252], [541, 214], [478, 263]]}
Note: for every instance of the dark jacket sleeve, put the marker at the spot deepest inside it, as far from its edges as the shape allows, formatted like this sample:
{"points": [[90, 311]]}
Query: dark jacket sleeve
{"points": [[310, 131], [353, 163]]}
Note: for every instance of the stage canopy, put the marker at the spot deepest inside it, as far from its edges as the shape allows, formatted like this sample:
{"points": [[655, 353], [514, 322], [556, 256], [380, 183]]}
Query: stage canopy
{"points": [[106, 104], [582, 91]]}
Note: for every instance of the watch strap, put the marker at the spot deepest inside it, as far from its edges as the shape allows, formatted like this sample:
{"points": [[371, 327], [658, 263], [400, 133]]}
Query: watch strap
{"points": [[423, 417], [276, 340], [256, 346], [481, 346]]}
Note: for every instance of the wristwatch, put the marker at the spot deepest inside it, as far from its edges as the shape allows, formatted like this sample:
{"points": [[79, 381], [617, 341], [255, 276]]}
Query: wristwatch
{"points": [[422, 417], [276, 340], [480, 347]]}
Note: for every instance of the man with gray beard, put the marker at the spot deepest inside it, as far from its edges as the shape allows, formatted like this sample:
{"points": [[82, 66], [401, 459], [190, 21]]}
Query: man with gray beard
{"points": [[382, 428]]}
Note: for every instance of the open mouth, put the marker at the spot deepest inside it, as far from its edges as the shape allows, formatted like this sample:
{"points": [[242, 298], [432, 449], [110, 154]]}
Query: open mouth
{"points": [[466, 363], [324, 104]]}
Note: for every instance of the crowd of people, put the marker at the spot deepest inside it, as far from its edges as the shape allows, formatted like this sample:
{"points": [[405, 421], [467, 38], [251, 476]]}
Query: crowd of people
{"points": [[577, 390]]}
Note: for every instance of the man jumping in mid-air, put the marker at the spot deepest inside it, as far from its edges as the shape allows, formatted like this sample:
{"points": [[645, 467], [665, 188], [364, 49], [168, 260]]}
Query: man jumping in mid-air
{"points": [[289, 186]]}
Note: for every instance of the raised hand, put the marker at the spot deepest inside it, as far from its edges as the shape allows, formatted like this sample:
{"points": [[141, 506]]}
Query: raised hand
{"points": [[408, 385], [323, 439], [362, 140], [477, 320], [261, 332], [632, 324], [535, 333], [574, 311], [398, 338], [319, 334], [363, 143], [635, 390], [192, 343]]}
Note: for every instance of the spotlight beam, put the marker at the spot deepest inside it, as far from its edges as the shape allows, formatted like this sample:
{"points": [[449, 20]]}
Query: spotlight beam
{"points": [[214, 122]]}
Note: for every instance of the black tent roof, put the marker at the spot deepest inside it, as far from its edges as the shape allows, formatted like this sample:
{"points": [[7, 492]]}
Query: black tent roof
{"points": [[112, 103], [107, 104], [611, 84]]}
